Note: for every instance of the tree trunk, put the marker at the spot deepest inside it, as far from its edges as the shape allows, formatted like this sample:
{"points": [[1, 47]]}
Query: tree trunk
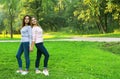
{"points": [[11, 30], [101, 25], [97, 24], [11, 21], [38, 8], [11, 26], [105, 26]]}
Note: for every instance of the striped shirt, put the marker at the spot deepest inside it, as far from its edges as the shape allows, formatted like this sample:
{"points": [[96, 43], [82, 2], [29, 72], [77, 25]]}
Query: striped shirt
{"points": [[37, 34]]}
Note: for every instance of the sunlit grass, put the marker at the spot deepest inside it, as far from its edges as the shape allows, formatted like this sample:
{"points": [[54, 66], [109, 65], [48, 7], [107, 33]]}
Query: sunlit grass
{"points": [[8, 36], [18, 36], [65, 35], [54, 35], [68, 60]]}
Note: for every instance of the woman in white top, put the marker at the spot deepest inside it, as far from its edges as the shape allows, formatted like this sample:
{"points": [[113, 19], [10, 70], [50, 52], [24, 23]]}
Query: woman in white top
{"points": [[37, 39], [26, 37]]}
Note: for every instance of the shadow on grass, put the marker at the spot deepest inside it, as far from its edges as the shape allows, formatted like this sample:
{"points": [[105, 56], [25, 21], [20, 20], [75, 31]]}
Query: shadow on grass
{"points": [[113, 47]]}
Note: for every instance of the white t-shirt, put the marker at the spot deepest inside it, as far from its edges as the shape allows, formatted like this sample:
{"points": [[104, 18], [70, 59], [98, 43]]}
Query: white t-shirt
{"points": [[26, 34]]}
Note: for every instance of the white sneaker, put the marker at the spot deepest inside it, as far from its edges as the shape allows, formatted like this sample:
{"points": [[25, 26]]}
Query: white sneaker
{"points": [[38, 71], [19, 71], [45, 72], [24, 72]]}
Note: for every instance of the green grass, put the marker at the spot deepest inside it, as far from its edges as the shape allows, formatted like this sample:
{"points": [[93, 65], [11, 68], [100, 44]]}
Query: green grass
{"points": [[9, 39], [70, 35], [113, 47], [59, 35], [68, 60], [115, 35]]}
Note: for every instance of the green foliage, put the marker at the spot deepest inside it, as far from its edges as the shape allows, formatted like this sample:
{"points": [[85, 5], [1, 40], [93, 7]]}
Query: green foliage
{"points": [[2, 26], [52, 22], [81, 16], [10, 12], [98, 13]]}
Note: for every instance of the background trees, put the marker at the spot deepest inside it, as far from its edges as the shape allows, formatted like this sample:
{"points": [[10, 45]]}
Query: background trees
{"points": [[102, 14], [9, 12], [77, 16]]}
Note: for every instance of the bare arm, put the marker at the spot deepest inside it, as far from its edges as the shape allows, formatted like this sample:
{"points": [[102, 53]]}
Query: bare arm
{"points": [[33, 40], [32, 46]]}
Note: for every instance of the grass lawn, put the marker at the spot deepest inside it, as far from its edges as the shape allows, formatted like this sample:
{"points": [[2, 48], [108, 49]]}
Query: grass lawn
{"points": [[68, 60], [59, 35]]}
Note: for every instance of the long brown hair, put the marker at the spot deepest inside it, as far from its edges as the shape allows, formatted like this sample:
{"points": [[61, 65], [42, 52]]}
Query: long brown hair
{"points": [[23, 22]]}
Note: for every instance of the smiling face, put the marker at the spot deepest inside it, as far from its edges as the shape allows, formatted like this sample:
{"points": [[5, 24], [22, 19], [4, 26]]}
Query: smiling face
{"points": [[27, 20], [33, 21]]}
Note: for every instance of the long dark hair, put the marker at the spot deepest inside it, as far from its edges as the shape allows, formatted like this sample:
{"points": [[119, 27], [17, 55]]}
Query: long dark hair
{"points": [[23, 22]]}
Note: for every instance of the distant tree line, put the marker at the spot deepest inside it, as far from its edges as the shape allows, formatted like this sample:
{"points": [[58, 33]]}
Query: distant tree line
{"points": [[76, 16]]}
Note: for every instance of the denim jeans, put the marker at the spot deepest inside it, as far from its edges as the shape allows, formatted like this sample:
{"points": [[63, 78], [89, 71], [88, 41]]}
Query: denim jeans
{"points": [[41, 50], [24, 47]]}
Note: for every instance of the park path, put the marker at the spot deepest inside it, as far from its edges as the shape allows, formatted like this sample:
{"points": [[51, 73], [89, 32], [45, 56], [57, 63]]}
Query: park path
{"points": [[91, 39]]}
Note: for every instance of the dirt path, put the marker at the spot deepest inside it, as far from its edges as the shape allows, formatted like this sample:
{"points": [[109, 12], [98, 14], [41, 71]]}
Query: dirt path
{"points": [[91, 39]]}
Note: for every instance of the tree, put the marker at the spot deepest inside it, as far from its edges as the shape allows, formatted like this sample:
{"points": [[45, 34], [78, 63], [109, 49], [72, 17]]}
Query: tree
{"points": [[2, 27], [10, 7], [98, 12]]}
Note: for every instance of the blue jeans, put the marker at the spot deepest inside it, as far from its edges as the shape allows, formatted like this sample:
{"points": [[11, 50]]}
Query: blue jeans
{"points": [[24, 47], [41, 50]]}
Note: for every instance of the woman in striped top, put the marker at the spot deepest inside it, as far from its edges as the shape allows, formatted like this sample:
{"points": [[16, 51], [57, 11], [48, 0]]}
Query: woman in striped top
{"points": [[37, 39]]}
